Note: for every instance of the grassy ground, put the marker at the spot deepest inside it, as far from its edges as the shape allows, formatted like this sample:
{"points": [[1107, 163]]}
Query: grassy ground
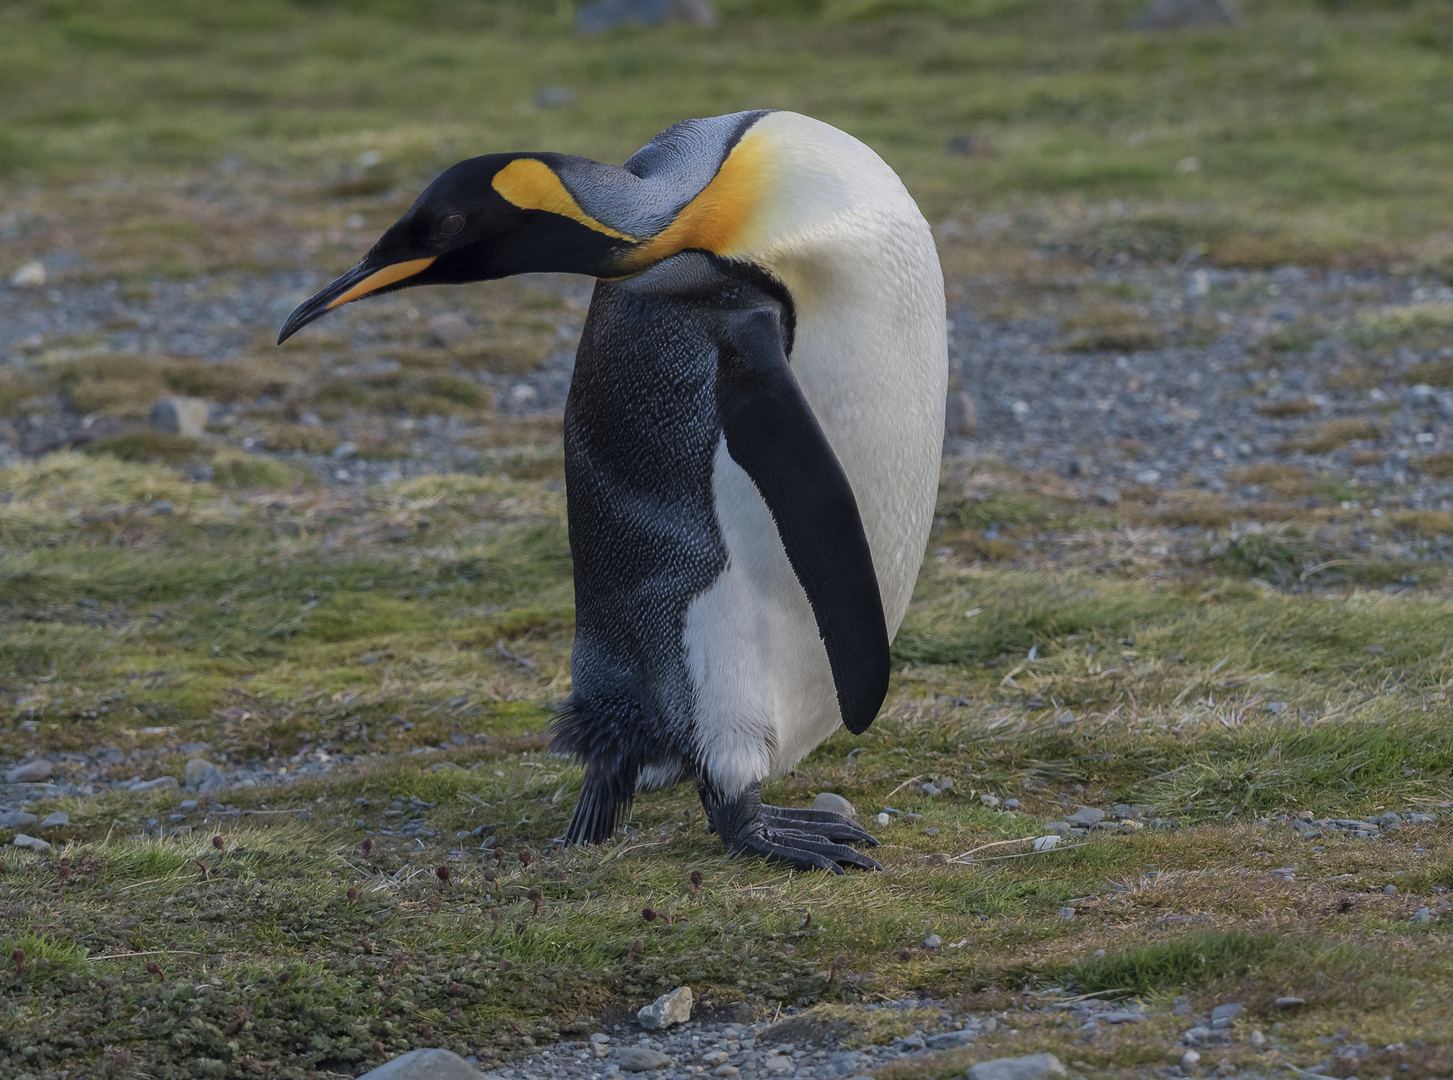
{"points": [[268, 622], [180, 136]]}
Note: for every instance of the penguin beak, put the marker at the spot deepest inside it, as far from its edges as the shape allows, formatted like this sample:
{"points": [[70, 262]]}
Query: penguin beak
{"points": [[363, 279]]}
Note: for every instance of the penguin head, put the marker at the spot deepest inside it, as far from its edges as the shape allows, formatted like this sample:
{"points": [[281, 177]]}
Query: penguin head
{"points": [[485, 218], [779, 191]]}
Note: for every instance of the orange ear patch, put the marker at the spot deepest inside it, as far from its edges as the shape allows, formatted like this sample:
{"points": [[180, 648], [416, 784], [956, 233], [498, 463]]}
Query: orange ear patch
{"points": [[532, 185], [717, 219]]}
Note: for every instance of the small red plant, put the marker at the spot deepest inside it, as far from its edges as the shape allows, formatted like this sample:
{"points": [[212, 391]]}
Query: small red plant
{"points": [[218, 843], [367, 847], [697, 877], [442, 873], [352, 894], [650, 914], [534, 897]]}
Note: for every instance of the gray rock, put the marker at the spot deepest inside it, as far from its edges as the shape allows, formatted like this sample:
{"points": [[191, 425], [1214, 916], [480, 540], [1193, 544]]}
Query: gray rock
{"points": [[450, 328], [204, 778], [1059, 828], [641, 1059], [1421, 819], [948, 1040], [56, 820], [1121, 1016], [34, 843], [930, 789], [32, 772], [29, 276], [606, 15], [16, 819], [1289, 1002], [427, 1064], [1184, 14], [186, 806], [161, 783], [1029, 1067], [180, 415], [1423, 914], [1086, 816], [933, 941], [991, 801], [960, 416], [914, 1042], [1196, 1035], [944, 783], [1066, 912], [1011, 804], [668, 1009], [1190, 1060], [1222, 1015], [552, 97], [836, 803]]}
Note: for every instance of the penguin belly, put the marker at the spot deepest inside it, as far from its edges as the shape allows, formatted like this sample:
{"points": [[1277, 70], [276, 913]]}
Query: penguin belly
{"points": [[762, 686]]}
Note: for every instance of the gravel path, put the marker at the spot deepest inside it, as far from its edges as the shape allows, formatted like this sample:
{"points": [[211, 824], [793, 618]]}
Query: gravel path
{"points": [[1192, 411], [1231, 369]]}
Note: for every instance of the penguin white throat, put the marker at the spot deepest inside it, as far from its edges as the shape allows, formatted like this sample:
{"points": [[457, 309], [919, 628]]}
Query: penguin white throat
{"points": [[752, 444]]}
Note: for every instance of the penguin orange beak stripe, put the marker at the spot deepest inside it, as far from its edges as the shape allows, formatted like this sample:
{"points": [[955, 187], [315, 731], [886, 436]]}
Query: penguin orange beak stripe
{"points": [[379, 278], [358, 282]]}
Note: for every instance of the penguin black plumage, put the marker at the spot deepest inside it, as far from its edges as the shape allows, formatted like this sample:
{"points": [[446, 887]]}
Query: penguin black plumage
{"points": [[752, 439]]}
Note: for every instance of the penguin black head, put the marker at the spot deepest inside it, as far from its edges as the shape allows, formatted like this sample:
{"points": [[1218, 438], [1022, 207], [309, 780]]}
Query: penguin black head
{"points": [[695, 186], [485, 218]]}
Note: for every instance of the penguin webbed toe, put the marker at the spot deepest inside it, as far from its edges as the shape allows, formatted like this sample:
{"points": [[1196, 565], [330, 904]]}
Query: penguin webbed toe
{"points": [[827, 824], [806, 839]]}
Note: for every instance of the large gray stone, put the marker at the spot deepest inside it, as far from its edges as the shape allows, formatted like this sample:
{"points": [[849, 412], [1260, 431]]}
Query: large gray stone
{"points": [[32, 772], [826, 800], [1087, 816], [56, 820], [16, 819], [180, 415], [1184, 14], [35, 843], [427, 1064], [641, 1059], [1029, 1067], [666, 1010], [606, 15], [204, 778]]}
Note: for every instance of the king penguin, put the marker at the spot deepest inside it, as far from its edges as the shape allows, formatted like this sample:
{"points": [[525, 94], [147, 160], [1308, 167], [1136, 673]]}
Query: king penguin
{"points": [[752, 444]]}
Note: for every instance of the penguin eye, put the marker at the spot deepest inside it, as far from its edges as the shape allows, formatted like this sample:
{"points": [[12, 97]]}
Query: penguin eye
{"points": [[451, 224]]}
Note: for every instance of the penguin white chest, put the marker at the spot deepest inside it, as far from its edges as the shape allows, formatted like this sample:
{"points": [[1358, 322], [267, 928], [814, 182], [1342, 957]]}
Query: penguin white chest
{"points": [[764, 693]]}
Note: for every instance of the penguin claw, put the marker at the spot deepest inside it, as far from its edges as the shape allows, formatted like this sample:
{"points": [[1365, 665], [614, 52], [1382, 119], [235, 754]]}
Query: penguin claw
{"points": [[827, 823], [807, 839], [802, 850]]}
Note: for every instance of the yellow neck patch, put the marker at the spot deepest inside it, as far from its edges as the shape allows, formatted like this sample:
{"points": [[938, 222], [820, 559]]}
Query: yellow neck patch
{"points": [[717, 219], [531, 185]]}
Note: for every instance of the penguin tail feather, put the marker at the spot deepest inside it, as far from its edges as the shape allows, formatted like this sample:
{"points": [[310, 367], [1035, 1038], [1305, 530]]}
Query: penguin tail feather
{"points": [[609, 785], [596, 812]]}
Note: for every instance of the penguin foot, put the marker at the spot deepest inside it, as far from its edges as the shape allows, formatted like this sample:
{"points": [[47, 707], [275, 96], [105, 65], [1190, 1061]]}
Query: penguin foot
{"points": [[807, 839]]}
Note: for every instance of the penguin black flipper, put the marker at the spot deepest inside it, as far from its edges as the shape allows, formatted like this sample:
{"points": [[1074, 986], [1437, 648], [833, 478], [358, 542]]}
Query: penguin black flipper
{"points": [[773, 435]]}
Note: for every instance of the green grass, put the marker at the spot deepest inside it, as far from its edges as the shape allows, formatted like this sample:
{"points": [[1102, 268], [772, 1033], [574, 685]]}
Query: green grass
{"points": [[271, 621], [1315, 126]]}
